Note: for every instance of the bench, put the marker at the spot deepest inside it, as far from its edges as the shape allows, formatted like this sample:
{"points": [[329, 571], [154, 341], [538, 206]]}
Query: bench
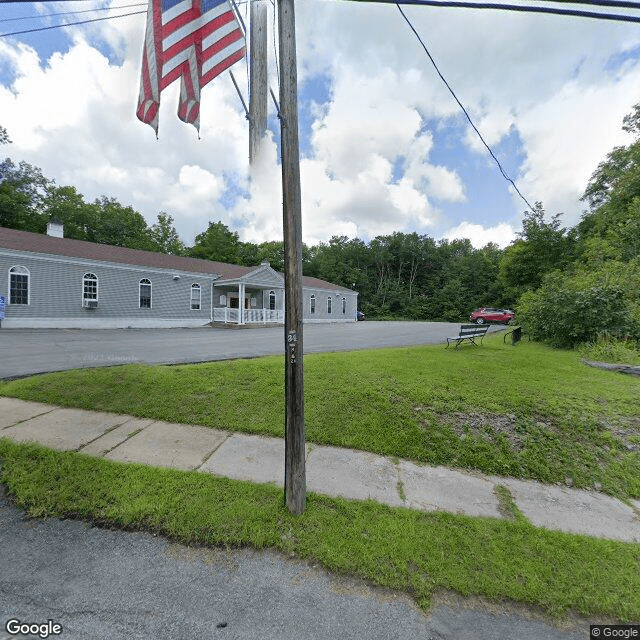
{"points": [[469, 332]]}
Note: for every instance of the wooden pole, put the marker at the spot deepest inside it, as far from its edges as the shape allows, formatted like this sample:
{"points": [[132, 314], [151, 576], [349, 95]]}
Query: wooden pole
{"points": [[258, 86], [294, 470]]}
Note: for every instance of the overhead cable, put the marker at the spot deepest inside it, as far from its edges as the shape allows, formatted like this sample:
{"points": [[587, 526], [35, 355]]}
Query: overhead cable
{"points": [[466, 113], [70, 24], [38, 16], [513, 7]]}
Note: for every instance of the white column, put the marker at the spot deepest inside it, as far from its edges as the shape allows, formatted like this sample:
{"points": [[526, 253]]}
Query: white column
{"points": [[241, 303]]}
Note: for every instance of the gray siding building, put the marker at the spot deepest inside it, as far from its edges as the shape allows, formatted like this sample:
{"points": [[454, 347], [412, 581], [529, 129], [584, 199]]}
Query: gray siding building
{"points": [[53, 282]]}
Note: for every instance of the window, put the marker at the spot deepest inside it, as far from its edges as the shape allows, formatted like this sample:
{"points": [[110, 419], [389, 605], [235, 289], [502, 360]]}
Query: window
{"points": [[195, 296], [18, 285], [145, 293], [313, 304], [272, 300], [329, 304], [89, 287], [344, 305]]}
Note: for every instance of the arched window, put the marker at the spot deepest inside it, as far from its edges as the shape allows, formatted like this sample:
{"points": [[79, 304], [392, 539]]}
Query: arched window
{"points": [[89, 286], [313, 304], [272, 300], [145, 293], [344, 305], [18, 285], [329, 304], [195, 296]]}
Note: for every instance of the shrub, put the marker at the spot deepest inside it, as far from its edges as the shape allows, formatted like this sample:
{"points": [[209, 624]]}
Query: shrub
{"points": [[571, 309]]}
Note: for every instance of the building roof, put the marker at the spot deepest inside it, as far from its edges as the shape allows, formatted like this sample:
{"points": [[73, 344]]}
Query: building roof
{"points": [[42, 243]]}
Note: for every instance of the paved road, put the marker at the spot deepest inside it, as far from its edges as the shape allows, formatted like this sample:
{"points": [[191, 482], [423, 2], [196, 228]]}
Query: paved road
{"points": [[112, 585], [27, 351]]}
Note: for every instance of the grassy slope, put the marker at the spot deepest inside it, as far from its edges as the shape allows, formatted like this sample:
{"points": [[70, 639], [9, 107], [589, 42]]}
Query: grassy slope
{"points": [[398, 548], [429, 404]]}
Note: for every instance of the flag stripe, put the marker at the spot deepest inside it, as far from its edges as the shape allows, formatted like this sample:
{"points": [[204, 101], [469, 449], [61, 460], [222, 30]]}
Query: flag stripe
{"points": [[227, 47], [210, 38], [223, 66]]}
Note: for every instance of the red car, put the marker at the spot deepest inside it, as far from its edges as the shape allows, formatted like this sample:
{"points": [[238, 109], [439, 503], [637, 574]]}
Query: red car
{"points": [[489, 314]]}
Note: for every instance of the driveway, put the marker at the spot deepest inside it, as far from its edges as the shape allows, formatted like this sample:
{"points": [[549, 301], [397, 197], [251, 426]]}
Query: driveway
{"points": [[28, 351]]}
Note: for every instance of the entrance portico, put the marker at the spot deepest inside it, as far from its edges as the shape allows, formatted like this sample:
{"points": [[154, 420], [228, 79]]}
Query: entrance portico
{"points": [[255, 298]]}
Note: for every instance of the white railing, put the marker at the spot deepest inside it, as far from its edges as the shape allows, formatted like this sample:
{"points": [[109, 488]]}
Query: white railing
{"points": [[225, 315], [250, 316], [263, 315]]}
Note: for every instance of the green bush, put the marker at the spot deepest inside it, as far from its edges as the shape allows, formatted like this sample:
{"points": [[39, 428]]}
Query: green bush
{"points": [[572, 309]]}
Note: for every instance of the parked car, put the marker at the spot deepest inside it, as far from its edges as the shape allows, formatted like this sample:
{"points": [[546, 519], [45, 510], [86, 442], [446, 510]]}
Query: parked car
{"points": [[360, 315], [490, 314]]}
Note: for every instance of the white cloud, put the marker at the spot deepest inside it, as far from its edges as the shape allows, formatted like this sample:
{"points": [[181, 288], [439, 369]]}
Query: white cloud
{"points": [[373, 166], [501, 234]]}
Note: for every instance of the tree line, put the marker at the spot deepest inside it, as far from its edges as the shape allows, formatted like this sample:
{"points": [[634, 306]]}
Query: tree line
{"points": [[567, 285]]}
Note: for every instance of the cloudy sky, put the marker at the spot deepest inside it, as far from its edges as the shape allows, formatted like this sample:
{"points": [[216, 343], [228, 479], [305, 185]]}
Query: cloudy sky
{"points": [[384, 146]]}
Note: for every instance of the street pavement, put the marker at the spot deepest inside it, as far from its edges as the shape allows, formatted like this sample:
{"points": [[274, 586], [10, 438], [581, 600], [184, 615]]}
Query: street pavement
{"points": [[28, 351], [112, 585]]}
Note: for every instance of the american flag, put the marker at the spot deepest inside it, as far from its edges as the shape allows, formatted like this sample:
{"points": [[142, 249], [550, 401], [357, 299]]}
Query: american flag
{"points": [[194, 40]]}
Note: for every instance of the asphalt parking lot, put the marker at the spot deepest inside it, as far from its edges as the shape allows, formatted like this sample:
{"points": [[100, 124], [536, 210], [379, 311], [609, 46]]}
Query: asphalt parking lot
{"points": [[28, 351]]}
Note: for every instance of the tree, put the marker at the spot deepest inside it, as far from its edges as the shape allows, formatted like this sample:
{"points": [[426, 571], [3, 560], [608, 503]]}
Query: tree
{"points": [[68, 207], [21, 196], [4, 136], [118, 225], [541, 247], [613, 193], [217, 243], [617, 177], [273, 251], [164, 237]]}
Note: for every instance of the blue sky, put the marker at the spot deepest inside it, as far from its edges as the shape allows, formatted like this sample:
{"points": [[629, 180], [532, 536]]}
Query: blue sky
{"points": [[384, 147]]}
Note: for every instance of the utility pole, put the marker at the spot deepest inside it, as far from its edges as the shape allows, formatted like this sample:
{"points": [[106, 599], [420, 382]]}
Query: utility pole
{"points": [[294, 471], [257, 79]]}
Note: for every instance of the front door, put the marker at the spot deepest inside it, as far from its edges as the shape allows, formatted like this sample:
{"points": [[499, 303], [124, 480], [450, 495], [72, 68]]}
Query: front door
{"points": [[234, 302]]}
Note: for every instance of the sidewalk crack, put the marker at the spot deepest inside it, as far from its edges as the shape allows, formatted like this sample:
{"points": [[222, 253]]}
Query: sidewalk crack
{"points": [[44, 413], [210, 454]]}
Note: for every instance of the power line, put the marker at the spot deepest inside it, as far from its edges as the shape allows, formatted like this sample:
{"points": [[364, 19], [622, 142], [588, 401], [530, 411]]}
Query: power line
{"points": [[72, 13], [69, 24], [451, 91], [518, 7]]}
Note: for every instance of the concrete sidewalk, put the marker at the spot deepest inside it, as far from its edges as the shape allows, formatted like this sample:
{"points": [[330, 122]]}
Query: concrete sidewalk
{"points": [[331, 471]]}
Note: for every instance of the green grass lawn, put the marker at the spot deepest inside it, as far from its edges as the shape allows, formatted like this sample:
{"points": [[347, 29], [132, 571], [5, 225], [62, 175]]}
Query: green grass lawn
{"points": [[527, 411], [420, 553]]}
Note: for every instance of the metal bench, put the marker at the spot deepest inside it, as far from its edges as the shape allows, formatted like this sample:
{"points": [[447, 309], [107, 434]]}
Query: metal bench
{"points": [[469, 332]]}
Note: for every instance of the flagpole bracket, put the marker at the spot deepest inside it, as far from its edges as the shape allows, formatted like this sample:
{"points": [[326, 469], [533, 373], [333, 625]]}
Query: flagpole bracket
{"points": [[244, 104], [275, 102]]}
